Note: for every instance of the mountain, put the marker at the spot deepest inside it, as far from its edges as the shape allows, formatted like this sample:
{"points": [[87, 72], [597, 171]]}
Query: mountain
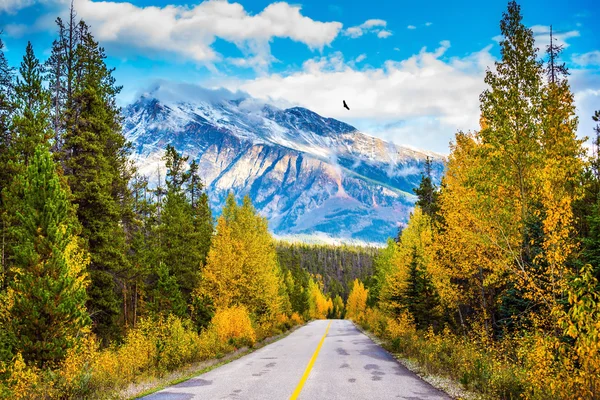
{"points": [[309, 175]]}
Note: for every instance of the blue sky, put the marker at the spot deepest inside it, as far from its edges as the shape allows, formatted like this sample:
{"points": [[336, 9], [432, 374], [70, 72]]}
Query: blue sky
{"points": [[410, 71]]}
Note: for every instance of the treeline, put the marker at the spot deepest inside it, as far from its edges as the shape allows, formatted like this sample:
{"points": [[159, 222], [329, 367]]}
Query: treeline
{"points": [[336, 266], [495, 280], [103, 279]]}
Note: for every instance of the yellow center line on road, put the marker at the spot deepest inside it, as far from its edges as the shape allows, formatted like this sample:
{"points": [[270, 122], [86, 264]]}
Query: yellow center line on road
{"points": [[309, 366]]}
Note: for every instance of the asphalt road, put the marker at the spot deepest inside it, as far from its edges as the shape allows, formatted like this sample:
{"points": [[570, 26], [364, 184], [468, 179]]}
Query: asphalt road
{"points": [[348, 366]]}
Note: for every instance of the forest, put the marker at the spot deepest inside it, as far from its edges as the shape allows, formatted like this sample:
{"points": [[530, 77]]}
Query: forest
{"points": [[495, 280], [106, 280]]}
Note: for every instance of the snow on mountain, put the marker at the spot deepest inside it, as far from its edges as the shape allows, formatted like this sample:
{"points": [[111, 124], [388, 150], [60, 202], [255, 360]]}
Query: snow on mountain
{"points": [[309, 175]]}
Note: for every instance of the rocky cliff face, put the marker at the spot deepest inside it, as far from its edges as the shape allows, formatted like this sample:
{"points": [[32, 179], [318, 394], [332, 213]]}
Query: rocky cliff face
{"points": [[307, 174]]}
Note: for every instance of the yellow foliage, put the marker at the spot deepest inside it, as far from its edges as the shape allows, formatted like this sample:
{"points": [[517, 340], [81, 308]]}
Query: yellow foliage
{"points": [[23, 382], [233, 325], [356, 305], [318, 305], [398, 327], [375, 320], [241, 266], [296, 318]]}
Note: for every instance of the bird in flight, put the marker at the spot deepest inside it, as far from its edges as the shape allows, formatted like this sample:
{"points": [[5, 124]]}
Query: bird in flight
{"points": [[346, 105]]}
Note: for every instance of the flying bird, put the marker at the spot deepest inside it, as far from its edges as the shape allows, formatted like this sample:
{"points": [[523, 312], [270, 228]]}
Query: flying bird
{"points": [[346, 105]]}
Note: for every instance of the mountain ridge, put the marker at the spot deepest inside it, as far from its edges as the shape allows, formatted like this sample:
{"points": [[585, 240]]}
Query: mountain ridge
{"points": [[307, 174]]}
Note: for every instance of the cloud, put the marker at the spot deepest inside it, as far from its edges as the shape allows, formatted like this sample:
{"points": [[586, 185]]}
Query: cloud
{"points": [[360, 58], [16, 30], [189, 32], [587, 59], [370, 25], [428, 23], [432, 98], [12, 6], [541, 34], [411, 27]]}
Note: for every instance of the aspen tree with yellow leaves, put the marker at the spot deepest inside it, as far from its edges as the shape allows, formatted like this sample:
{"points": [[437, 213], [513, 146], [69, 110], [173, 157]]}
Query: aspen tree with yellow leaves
{"points": [[241, 267], [356, 306]]}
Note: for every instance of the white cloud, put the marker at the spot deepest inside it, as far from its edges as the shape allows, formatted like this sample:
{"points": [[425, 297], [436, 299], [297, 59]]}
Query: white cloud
{"points": [[360, 58], [411, 27], [16, 30], [587, 59], [370, 25], [428, 23], [541, 35], [190, 32], [11, 6], [420, 101]]}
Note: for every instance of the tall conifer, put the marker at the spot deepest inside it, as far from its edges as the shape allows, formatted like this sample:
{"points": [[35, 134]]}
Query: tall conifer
{"points": [[47, 295]]}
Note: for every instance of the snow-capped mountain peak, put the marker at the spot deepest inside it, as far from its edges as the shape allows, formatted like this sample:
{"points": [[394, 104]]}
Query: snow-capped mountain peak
{"points": [[306, 173]]}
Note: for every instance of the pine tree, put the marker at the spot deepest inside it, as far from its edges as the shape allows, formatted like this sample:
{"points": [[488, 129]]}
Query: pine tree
{"points": [[32, 100], [590, 205], [6, 149], [94, 154], [186, 222], [409, 286], [61, 73], [166, 296], [428, 193], [6, 113], [47, 295], [202, 215]]}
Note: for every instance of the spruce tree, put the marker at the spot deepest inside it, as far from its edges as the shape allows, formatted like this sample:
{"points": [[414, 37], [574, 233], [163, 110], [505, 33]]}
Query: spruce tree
{"points": [[428, 193], [185, 222], [32, 101], [94, 154], [47, 294], [6, 149], [6, 112], [590, 205]]}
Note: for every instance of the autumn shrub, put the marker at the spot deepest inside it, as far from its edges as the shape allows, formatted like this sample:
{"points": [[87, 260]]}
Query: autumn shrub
{"points": [[296, 319], [156, 345], [22, 381], [233, 326], [375, 321]]}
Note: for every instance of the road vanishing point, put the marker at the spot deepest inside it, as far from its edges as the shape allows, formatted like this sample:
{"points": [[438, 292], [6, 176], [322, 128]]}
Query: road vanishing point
{"points": [[325, 359]]}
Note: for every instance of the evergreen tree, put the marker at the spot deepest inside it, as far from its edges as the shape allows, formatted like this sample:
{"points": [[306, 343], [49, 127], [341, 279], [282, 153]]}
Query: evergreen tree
{"points": [[186, 223], [427, 193], [6, 141], [591, 207], [47, 296], [94, 154], [419, 296], [166, 296], [32, 100], [202, 215], [6, 113], [61, 74]]}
